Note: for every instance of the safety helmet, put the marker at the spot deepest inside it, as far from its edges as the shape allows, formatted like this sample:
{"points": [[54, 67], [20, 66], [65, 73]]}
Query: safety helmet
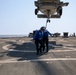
{"points": [[42, 28]]}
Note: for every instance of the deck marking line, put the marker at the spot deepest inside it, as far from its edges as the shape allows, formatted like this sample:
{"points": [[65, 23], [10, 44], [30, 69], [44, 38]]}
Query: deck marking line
{"points": [[35, 60]]}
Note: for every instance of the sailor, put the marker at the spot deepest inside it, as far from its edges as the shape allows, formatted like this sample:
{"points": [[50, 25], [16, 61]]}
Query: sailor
{"points": [[46, 33], [38, 38]]}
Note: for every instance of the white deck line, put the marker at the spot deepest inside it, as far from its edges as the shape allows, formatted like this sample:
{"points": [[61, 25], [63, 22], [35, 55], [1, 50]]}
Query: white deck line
{"points": [[49, 50], [35, 60], [66, 50]]}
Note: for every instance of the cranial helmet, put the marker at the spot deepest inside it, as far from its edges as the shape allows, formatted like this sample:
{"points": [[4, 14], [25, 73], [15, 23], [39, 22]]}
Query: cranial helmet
{"points": [[42, 28]]}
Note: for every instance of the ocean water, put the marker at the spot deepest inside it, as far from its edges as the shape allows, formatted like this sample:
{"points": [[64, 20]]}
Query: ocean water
{"points": [[11, 36]]}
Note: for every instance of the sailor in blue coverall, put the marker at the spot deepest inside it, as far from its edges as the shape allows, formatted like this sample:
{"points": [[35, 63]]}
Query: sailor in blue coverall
{"points": [[38, 37], [46, 33]]}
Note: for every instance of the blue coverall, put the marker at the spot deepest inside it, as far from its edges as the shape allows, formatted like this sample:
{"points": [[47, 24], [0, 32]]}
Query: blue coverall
{"points": [[38, 40], [45, 39]]}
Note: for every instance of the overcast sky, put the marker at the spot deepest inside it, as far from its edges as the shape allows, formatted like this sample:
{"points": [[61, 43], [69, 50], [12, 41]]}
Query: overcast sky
{"points": [[17, 17]]}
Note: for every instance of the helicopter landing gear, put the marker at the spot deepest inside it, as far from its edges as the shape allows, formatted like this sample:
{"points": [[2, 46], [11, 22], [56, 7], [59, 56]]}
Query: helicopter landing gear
{"points": [[59, 10], [36, 11]]}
